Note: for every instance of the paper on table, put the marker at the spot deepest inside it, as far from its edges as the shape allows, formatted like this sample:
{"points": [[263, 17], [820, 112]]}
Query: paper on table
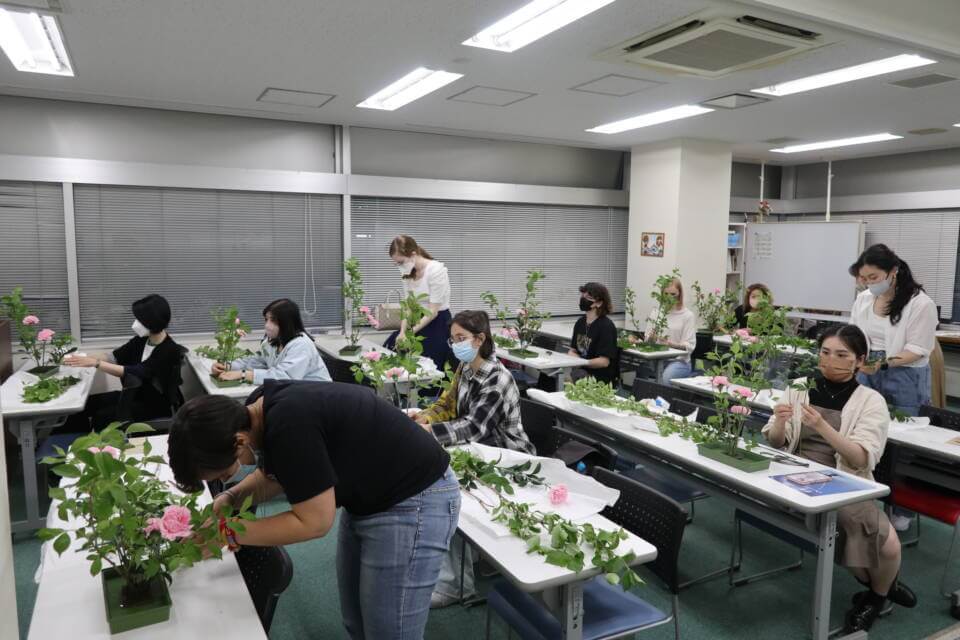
{"points": [[586, 496]]}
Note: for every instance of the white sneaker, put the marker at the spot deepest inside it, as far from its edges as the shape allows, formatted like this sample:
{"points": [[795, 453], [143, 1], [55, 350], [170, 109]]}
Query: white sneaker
{"points": [[439, 600], [900, 522]]}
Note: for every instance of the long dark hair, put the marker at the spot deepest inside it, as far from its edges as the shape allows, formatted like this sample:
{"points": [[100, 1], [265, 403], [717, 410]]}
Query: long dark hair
{"points": [[406, 246], [203, 438], [882, 257], [477, 322], [286, 314], [756, 286]]}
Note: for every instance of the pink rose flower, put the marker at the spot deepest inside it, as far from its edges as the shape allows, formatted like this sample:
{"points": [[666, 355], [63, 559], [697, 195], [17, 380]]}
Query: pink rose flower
{"points": [[743, 392], [364, 309], [112, 451], [236, 321], [372, 356], [719, 381], [175, 522], [373, 322], [29, 320], [241, 333], [521, 311], [153, 524], [717, 291], [558, 494], [740, 410], [394, 373], [46, 335]]}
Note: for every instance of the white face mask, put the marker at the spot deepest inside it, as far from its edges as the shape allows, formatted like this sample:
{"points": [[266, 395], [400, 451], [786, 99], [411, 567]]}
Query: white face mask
{"points": [[139, 329], [406, 267], [881, 287]]}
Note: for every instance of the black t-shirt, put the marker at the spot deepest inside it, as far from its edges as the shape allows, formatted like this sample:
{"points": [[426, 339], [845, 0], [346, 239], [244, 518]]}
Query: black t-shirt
{"points": [[741, 315], [319, 435], [151, 386], [832, 395], [595, 341]]}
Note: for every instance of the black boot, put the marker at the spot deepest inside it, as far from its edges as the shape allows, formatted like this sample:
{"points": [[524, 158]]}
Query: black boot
{"points": [[864, 613], [899, 594]]}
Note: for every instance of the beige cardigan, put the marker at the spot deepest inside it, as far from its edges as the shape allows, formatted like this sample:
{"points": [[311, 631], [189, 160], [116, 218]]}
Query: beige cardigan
{"points": [[864, 420]]}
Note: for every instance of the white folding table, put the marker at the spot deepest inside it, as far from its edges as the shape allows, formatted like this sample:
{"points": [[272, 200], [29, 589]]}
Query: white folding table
{"points": [[201, 366], [811, 518], [764, 399], [553, 363], [210, 599], [28, 422]]}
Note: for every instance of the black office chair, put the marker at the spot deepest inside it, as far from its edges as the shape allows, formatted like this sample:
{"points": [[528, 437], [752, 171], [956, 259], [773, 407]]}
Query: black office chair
{"points": [[571, 446], [539, 420], [685, 408], [268, 572], [643, 389], [941, 417], [546, 342], [703, 346]]}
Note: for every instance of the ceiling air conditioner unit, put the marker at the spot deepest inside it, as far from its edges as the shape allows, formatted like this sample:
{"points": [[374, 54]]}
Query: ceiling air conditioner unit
{"points": [[714, 47]]}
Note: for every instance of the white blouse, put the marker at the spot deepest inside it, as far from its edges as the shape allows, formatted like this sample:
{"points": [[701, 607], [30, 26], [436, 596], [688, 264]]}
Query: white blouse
{"points": [[434, 283], [681, 329], [916, 332]]}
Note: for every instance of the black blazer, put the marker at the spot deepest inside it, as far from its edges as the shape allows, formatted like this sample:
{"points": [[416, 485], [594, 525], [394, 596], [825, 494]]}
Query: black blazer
{"points": [[151, 388]]}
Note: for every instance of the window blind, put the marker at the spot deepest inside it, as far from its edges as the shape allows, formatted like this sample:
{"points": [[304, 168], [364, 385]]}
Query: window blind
{"points": [[926, 240], [202, 249], [491, 246], [33, 249]]}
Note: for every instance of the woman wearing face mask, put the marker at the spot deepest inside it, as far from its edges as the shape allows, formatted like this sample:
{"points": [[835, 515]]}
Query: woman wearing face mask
{"points": [[842, 424], [481, 405], [680, 333], [755, 294], [423, 275], [286, 352], [148, 366], [900, 322], [595, 336], [330, 445]]}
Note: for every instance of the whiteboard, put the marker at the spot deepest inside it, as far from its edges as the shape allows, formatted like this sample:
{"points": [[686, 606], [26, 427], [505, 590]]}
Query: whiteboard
{"points": [[805, 264]]}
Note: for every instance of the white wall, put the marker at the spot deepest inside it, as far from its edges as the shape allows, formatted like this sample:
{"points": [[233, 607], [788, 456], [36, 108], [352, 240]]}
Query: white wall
{"points": [[56, 128], [8, 593]]}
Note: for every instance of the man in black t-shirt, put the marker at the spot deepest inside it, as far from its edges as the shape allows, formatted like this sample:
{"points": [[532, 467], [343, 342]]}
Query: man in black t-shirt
{"points": [[329, 445]]}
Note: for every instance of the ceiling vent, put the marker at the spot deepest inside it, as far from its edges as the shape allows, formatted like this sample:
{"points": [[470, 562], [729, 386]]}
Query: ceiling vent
{"points": [[714, 47], [733, 101], [927, 132], [925, 80]]}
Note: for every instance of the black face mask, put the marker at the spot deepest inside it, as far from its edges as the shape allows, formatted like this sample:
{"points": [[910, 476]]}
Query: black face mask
{"points": [[585, 304]]}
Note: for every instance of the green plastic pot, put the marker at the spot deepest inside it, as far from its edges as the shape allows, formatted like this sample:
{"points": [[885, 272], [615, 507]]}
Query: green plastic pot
{"points": [[152, 609], [744, 460]]}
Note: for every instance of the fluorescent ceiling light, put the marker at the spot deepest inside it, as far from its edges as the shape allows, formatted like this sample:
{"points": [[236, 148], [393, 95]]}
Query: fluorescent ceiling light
{"points": [[648, 119], [957, 125], [532, 22], [842, 142], [410, 87], [33, 42], [847, 74]]}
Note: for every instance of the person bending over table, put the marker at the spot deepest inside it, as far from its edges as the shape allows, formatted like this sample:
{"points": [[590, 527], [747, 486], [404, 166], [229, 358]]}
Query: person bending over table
{"points": [[843, 424], [681, 333], [329, 445], [481, 405], [287, 351], [148, 366]]}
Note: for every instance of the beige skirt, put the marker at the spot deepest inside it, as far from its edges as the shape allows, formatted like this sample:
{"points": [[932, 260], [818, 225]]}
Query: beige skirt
{"points": [[862, 529]]}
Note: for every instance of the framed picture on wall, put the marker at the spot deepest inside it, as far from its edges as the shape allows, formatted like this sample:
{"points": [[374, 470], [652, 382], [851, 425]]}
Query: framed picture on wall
{"points": [[651, 244]]}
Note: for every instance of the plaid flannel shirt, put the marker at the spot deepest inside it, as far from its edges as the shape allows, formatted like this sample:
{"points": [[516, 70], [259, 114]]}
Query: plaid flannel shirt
{"points": [[487, 410]]}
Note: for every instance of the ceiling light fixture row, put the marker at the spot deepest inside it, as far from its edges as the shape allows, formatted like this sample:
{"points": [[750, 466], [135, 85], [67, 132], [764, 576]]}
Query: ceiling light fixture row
{"points": [[33, 42]]}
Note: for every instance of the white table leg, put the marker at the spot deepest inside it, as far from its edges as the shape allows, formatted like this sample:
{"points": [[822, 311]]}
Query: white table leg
{"points": [[28, 448], [823, 585], [561, 378], [566, 603]]}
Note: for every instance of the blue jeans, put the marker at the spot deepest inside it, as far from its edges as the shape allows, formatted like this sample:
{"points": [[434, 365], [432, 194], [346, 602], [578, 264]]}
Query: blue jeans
{"points": [[904, 388], [676, 369], [388, 562]]}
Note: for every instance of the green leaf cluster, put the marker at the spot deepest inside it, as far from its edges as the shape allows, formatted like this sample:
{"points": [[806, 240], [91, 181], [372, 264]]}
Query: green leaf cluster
{"points": [[48, 389], [528, 316], [352, 290], [230, 330], [46, 353]]}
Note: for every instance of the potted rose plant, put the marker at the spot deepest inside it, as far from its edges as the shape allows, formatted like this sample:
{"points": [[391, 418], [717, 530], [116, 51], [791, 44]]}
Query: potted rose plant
{"points": [[132, 528], [230, 330], [628, 339], [664, 302], [352, 290], [528, 319], [45, 346]]}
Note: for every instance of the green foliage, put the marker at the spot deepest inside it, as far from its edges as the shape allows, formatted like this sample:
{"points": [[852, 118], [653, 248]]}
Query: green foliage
{"points": [[44, 353], [716, 309], [897, 415], [113, 498], [592, 392], [566, 538], [353, 291], [664, 303], [528, 318], [406, 357], [630, 305], [230, 330], [48, 389]]}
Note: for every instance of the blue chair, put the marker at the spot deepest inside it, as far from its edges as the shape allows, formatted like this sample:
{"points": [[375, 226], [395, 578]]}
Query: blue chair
{"points": [[609, 611]]}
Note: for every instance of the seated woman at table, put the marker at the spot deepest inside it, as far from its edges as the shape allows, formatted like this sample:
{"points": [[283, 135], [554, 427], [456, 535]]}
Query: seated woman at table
{"points": [[481, 405], [595, 336], [752, 298], [843, 424], [148, 366], [330, 445], [287, 351], [680, 333]]}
